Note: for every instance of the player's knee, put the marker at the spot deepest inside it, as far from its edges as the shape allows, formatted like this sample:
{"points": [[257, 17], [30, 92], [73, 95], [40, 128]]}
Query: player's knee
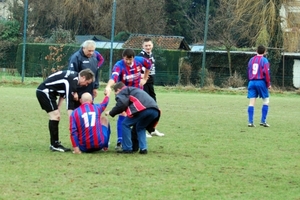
{"points": [[54, 115], [266, 101]]}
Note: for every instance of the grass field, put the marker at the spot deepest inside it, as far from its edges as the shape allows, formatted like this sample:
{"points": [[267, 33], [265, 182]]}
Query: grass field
{"points": [[208, 152]]}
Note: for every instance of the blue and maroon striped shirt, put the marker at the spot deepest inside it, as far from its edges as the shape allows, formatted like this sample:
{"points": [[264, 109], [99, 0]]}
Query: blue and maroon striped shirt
{"points": [[130, 75], [258, 69], [85, 126]]}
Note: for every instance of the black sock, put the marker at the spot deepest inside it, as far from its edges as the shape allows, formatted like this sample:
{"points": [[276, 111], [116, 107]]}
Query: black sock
{"points": [[53, 129]]}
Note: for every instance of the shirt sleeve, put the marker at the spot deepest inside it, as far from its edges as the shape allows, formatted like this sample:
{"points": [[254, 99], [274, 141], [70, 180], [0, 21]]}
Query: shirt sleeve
{"points": [[267, 73], [102, 106], [144, 62], [73, 131], [116, 73], [74, 64], [119, 107], [99, 58]]}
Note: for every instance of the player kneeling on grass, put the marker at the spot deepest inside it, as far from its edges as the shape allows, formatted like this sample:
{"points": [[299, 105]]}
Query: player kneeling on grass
{"points": [[63, 84], [142, 113], [89, 131]]}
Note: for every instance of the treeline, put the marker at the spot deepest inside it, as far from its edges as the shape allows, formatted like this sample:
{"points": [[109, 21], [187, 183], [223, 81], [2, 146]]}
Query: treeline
{"points": [[167, 17]]}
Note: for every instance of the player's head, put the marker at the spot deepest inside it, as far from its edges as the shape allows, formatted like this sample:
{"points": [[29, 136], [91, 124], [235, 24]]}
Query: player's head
{"points": [[118, 87], [86, 77], [261, 49], [128, 56], [88, 47], [86, 98], [148, 45]]}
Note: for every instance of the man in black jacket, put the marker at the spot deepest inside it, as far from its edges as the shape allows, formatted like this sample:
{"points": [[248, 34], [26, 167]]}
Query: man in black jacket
{"points": [[87, 58], [142, 113]]}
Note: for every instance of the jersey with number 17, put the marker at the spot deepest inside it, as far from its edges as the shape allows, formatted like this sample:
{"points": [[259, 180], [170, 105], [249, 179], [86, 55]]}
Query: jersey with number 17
{"points": [[258, 69], [85, 126]]}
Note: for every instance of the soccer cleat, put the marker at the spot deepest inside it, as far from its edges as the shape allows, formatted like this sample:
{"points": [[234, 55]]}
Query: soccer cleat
{"points": [[144, 151], [157, 133], [118, 147], [125, 151], [59, 147], [264, 124], [148, 135], [251, 125]]}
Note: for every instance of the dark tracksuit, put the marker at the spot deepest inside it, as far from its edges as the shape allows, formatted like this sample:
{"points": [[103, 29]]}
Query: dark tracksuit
{"points": [[78, 61], [142, 113]]}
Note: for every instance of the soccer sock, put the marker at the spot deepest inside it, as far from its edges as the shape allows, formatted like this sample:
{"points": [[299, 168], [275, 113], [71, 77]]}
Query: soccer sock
{"points": [[119, 128], [264, 113], [53, 129], [250, 114]]}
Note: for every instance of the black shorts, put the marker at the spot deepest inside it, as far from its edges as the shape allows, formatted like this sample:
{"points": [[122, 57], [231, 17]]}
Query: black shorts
{"points": [[47, 100]]}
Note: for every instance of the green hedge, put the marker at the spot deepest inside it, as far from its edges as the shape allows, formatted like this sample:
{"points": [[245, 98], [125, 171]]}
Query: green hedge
{"points": [[35, 62], [167, 64]]}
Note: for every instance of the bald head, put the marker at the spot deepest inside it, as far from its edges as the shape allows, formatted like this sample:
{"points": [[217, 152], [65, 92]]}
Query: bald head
{"points": [[86, 98]]}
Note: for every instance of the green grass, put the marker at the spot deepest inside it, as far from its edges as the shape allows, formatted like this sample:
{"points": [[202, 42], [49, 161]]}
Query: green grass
{"points": [[208, 152]]}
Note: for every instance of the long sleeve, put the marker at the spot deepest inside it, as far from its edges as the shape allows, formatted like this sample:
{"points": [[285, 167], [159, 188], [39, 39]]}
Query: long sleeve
{"points": [[74, 64], [73, 131]]}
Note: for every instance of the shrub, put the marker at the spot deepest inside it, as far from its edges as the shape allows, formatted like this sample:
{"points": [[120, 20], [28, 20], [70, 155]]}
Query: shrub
{"points": [[60, 36], [54, 57], [185, 72], [235, 81]]}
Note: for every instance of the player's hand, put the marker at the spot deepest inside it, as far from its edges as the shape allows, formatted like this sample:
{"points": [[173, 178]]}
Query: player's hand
{"points": [[269, 87], [75, 96], [95, 93], [106, 113], [105, 149], [107, 91], [76, 150], [142, 82], [123, 114]]}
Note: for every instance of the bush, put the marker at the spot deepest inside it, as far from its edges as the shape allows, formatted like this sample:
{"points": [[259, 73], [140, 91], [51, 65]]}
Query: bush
{"points": [[234, 81], [185, 72], [61, 36]]}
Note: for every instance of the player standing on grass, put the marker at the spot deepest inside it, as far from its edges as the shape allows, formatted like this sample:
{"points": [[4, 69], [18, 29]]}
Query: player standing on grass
{"points": [[87, 58], [63, 84], [128, 70], [149, 85], [259, 85]]}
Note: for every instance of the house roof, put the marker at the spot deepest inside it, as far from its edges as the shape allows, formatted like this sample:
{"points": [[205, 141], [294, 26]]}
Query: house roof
{"points": [[165, 42]]}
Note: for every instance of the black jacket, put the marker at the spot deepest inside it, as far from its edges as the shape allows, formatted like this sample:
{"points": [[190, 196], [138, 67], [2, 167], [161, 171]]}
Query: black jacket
{"points": [[134, 100]]}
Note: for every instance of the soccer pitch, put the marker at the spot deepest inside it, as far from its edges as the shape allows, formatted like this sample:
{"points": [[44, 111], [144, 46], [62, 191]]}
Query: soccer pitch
{"points": [[208, 152]]}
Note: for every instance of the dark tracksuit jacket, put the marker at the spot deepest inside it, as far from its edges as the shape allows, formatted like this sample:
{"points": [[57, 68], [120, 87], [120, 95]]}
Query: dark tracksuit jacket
{"points": [[134, 100], [78, 61]]}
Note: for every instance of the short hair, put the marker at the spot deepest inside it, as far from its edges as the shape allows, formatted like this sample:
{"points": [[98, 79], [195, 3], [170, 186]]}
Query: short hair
{"points": [[147, 39], [118, 85], [88, 74], [88, 43], [261, 49], [128, 53]]}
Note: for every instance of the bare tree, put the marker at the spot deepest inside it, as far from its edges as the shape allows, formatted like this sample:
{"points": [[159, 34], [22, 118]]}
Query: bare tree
{"points": [[196, 19], [141, 16], [92, 16], [224, 27]]}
